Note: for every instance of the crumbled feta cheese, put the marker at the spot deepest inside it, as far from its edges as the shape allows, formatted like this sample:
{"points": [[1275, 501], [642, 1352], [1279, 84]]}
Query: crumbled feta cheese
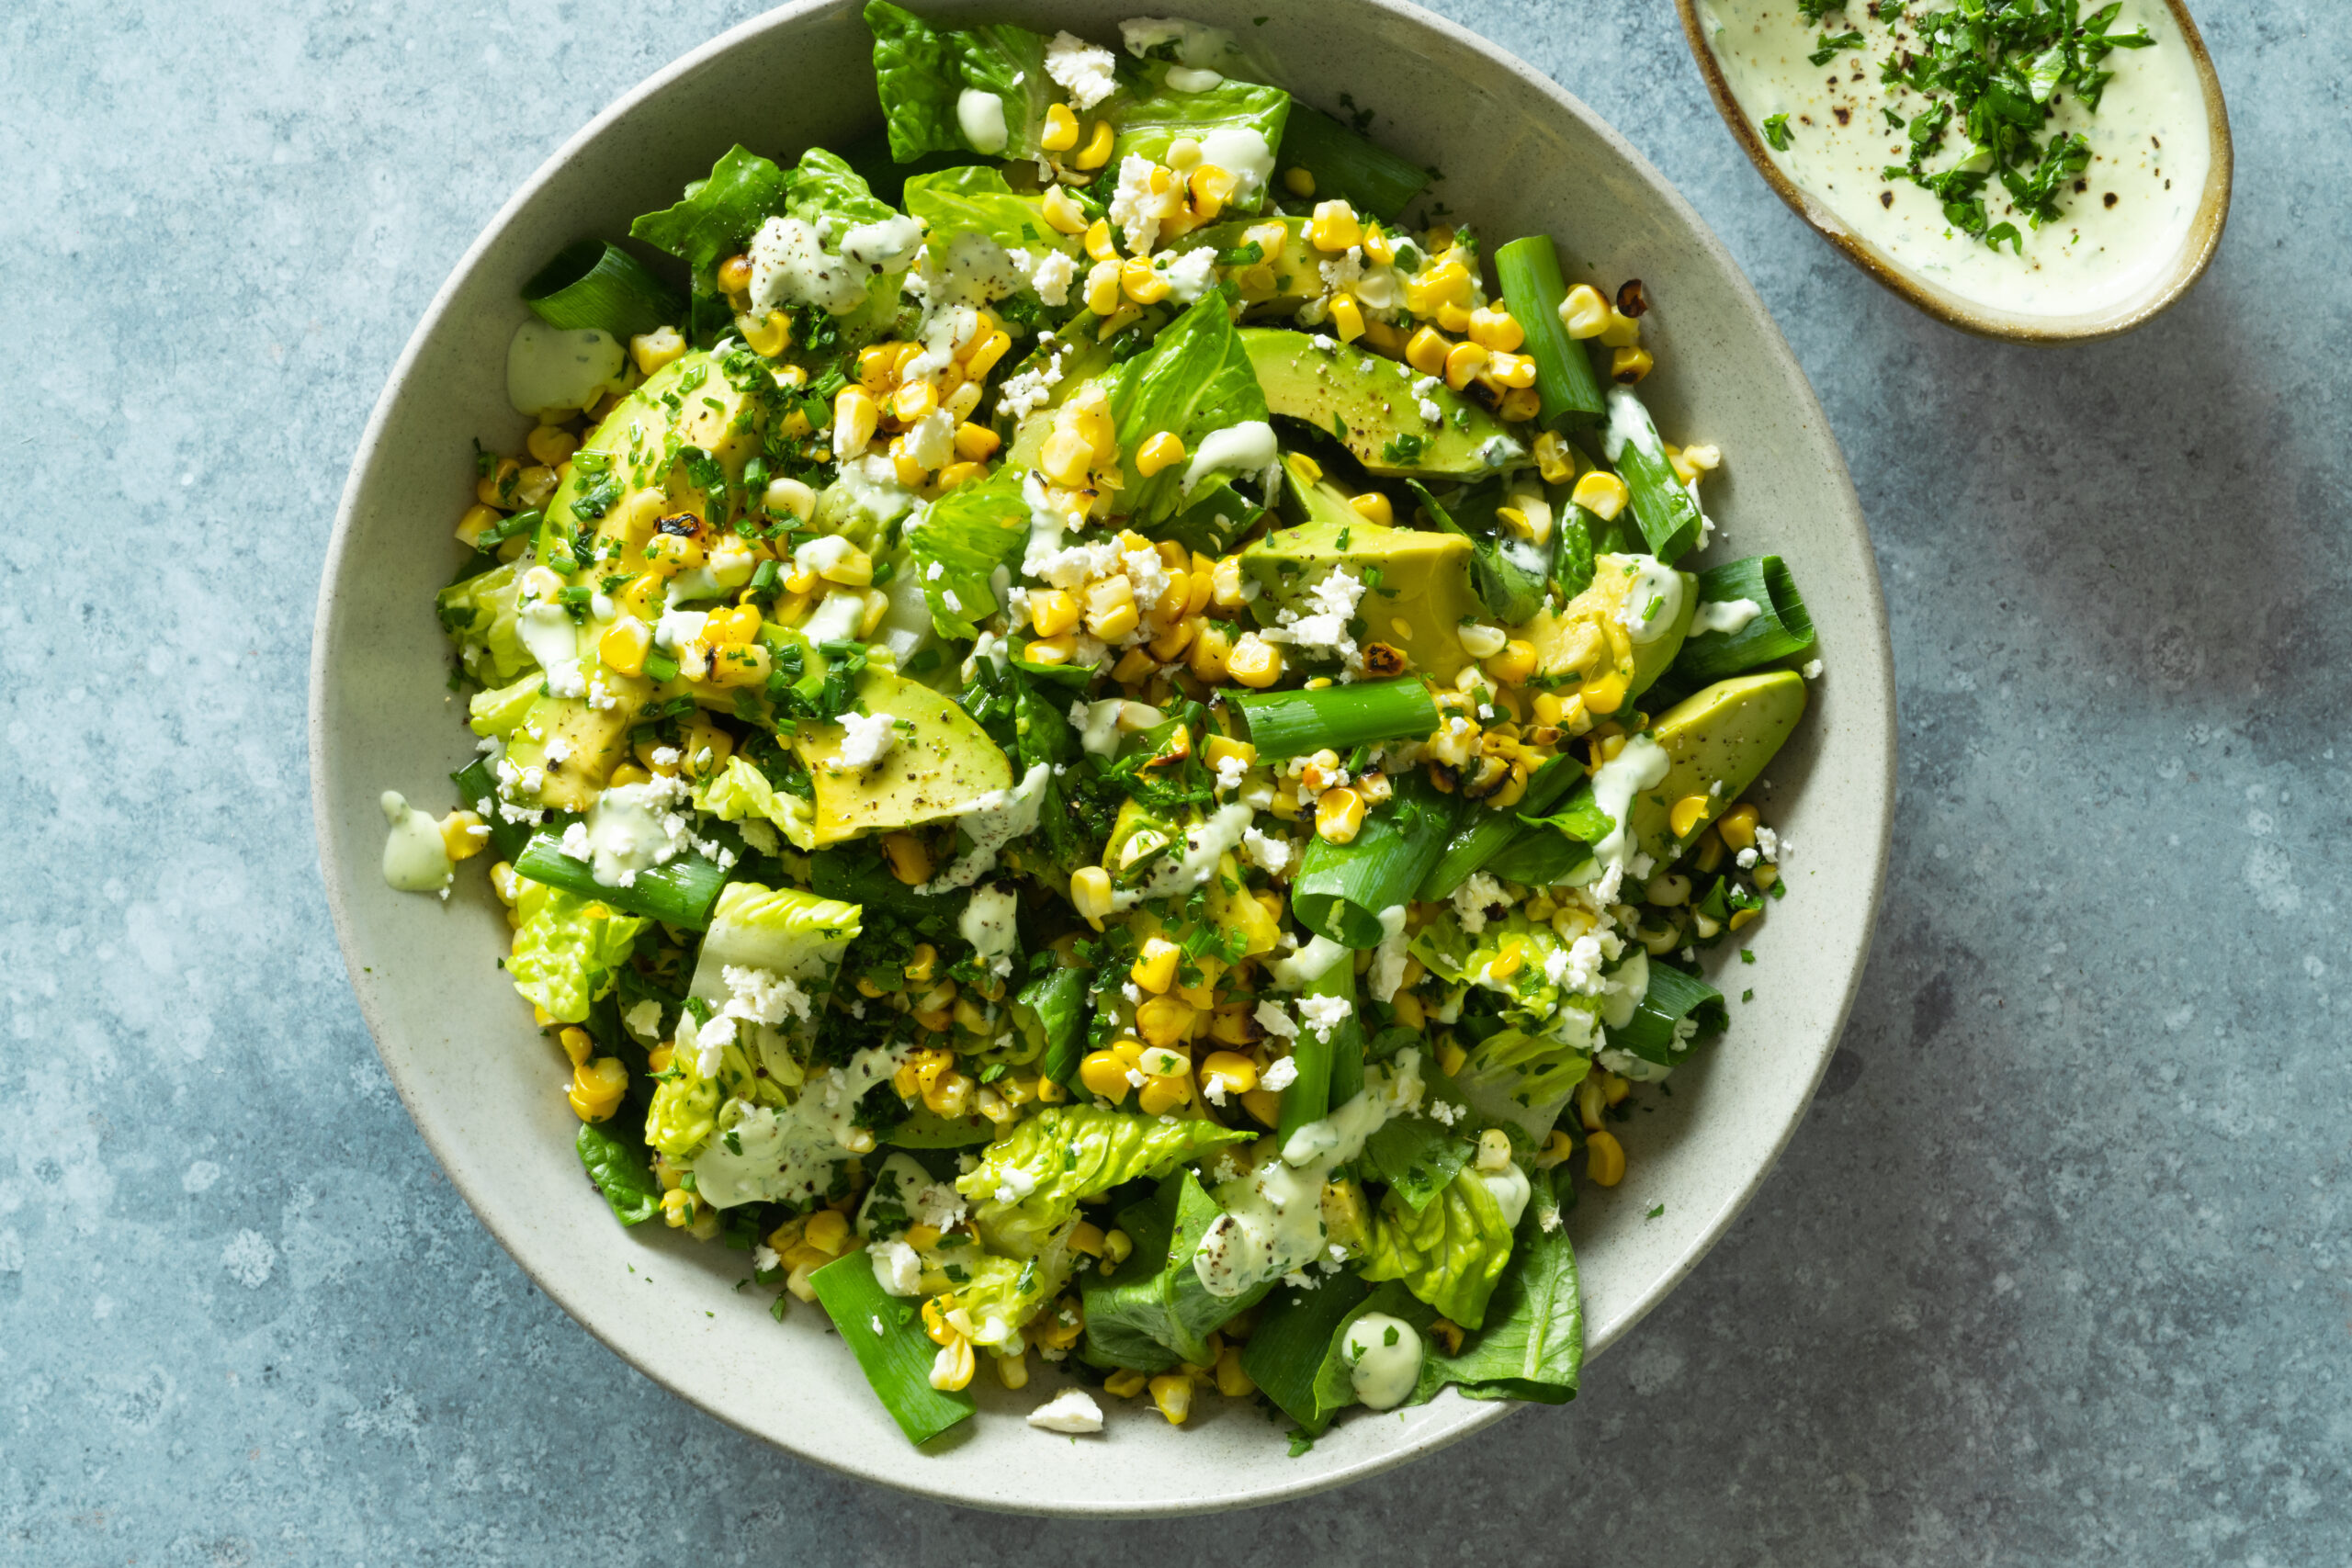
{"points": [[1229, 773], [1086, 72], [1134, 207], [1812, 671], [898, 1267], [1073, 1410], [1768, 842], [1476, 900], [1431, 412], [1274, 1021], [1051, 277], [866, 738], [1280, 1073], [1324, 1014], [1191, 275], [1268, 852], [1746, 858]]}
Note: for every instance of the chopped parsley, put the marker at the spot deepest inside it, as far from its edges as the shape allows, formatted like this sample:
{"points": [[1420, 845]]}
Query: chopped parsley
{"points": [[1776, 131]]}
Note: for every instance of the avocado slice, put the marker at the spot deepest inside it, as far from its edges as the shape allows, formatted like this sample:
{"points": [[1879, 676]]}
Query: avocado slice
{"points": [[939, 769], [1376, 412], [1424, 581], [1294, 272], [1586, 639], [1724, 735]]}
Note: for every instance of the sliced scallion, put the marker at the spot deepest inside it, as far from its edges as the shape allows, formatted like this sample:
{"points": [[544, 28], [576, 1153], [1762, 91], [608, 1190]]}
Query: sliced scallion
{"points": [[1782, 626], [885, 1333], [1347, 166], [1664, 506], [680, 892], [1672, 997], [594, 283], [1342, 889], [1293, 723], [1530, 273], [1488, 833]]}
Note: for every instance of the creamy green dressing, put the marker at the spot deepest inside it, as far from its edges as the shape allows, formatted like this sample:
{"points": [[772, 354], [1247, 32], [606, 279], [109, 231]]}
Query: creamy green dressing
{"points": [[555, 371], [2150, 153], [1383, 1357], [415, 860]]}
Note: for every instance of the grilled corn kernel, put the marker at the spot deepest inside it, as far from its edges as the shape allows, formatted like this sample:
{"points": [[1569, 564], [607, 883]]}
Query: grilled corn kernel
{"points": [[1102, 245], [1164, 1020], [1602, 494], [1097, 151], [597, 1087], [1060, 134], [1463, 362], [909, 862], [1155, 969], [1373, 507], [1299, 182], [856, 418], [1554, 459], [1339, 816], [1627, 365], [1347, 318], [1172, 1393], [655, 349], [1158, 453], [1584, 312], [1739, 828], [1741, 918], [1232, 1381], [1052, 611], [828, 1231], [1426, 351], [1514, 371], [1491, 326], [1604, 1159], [1254, 662]]}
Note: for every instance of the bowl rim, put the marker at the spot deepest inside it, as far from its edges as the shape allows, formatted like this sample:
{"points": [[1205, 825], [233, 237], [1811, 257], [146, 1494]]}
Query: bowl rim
{"points": [[1874, 667], [2205, 225]]}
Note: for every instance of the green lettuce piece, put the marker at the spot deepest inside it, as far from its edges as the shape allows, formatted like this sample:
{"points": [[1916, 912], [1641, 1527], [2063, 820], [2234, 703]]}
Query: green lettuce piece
{"points": [[1534, 1001], [1418, 1157], [960, 542], [1149, 116], [1004, 1293], [1335, 1384], [718, 215], [1285, 1354], [502, 710], [1195, 378], [822, 185], [1450, 1254], [688, 1107], [619, 1170], [479, 615], [568, 949], [1028, 1182], [788, 945], [975, 199], [740, 793], [1152, 1311], [1517, 1078], [921, 71], [1532, 1346]]}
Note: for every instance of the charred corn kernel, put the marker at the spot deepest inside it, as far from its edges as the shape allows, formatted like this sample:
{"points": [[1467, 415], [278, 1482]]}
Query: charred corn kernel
{"points": [[1100, 243], [1620, 331], [1602, 494], [1373, 507], [734, 274], [1491, 326], [912, 400], [1764, 875], [1451, 1056], [1159, 452], [1463, 362], [976, 443], [1232, 1024], [1089, 892], [463, 836], [1052, 611], [597, 1087], [1125, 1383], [1738, 827], [1339, 816], [952, 1368], [1265, 1105], [1627, 365], [1172, 1393], [1299, 182], [1097, 151], [1142, 282], [827, 1231], [984, 357], [909, 862], [1604, 1159], [856, 418], [652, 350], [670, 554], [1211, 652], [1347, 318], [1063, 213], [1515, 371], [1209, 187], [1686, 814], [1554, 459], [623, 645], [1231, 1071], [1060, 132], [1155, 968], [1161, 1096], [1254, 662], [739, 664], [1584, 311], [1164, 1020], [1426, 351]]}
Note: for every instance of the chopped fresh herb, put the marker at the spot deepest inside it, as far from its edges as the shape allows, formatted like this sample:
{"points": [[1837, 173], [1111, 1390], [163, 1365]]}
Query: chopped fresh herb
{"points": [[1654, 1214], [1747, 956], [1776, 131], [1831, 46]]}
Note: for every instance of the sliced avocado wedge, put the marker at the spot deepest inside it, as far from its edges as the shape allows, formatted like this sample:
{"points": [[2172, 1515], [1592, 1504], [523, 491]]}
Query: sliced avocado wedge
{"points": [[1293, 275], [1376, 412], [1424, 583], [1724, 735], [1308, 497], [1586, 640], [941, 763]]}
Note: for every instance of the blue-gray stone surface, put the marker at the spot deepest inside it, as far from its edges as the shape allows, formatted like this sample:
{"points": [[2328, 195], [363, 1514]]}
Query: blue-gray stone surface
{"points": [[2057, 1270]]}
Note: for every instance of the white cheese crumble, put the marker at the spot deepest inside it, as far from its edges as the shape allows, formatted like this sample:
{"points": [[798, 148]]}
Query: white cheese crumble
{"points": [[1268, 852], [1474, 899], [1086, 72], [1280, 1074], [1274, 1021], [1073, 1410], [866, 738], [1324, 1014]]}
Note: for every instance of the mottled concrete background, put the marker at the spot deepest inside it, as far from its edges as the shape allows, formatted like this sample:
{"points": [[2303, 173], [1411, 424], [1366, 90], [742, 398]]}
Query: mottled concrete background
{"points": [[2055, 1272]]}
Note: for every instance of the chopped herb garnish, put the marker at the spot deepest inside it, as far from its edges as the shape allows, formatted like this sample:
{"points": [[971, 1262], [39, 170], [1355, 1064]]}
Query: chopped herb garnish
{"points": [[1776, 131]]}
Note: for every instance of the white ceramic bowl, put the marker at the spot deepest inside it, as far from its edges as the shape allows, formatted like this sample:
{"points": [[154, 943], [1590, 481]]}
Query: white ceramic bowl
{"points": [[1520, 156]]}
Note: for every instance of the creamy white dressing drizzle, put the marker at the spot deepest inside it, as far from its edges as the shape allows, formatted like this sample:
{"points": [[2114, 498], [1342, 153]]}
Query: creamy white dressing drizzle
{"points": [[1653, 601], [556, 370], [1383, 1357], [1203, 846], [992, 822], [415, 860], [788, 1155], [1725, 615], [1240, 151], [979, 115], [1246, 447], [1641, 765], [629, 830], [1305, 967], [2150, 154]]}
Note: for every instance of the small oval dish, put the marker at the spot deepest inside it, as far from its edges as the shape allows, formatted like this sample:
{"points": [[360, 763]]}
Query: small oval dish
{"points": [[2159, 160]]}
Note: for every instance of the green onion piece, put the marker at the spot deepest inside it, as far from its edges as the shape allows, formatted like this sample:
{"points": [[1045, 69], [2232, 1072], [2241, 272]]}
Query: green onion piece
{"points": [[474, 786], [1488, 833], [1342, 888], [856, 873], [1529, 272], [1293, 724], [1050, 1013], [1326, 1063], [885, 1333], [594, 283], [1663, 505], [1347, 1040], [1347, 166], [1672, 996], [1286, 1349], [1782, 626], [1572, 558], [678, 894]]}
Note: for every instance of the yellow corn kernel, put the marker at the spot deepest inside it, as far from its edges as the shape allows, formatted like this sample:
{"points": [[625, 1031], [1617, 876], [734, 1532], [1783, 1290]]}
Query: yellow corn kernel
{"points": [[1519, 405], [1463, 362], [1208, 188], [1451, 1056], [1233, 1073], [1097, 151], [1087, 1237], [550, 445], [1101, 243], [1764, 875], [1739, 828], [1142, 283], [1089, 889], [1101, 291], [1172, 1393], [952, 1368], [1373, 507], [1060, 134], [1602, 494], [1125, 1383], [912, 400], [1212, 647], [1620, 331], [1339, 816], [657, 348], [1554, 459], [1162, 1095], [1426, 350], [1514, 664], [986, 352], [1052, 611], [828, 1231], [1453, 317], [1217, 749], [739, 664], [463, 836], [909, 862], [955, 475], [1232, 1381], [856, 418], [1115, 624], [976, 443], [1067, 456], [876, 367], [768, 333], [1155, 968], [1604, 1159], [1164, 1020], [1170, 643], [1104, 1073], [1492, 326], [1066, 216], [739, 624], [1627, 365], [1686, 814], [507, 882], [1158, 453], [597, 1087], [1299, 182], [1254, 662], [623, 646], [476, 520], [1741, 918], [1347, 318], [1584, 312], [576, 1045], [1516, 371], [1334, 227]]}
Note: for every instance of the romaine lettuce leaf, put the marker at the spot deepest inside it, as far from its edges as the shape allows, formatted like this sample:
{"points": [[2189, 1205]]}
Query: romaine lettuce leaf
{"points": [[618, 1169], [959, 544], [718, 216], [1028, 1182], [1450, 1254], [975, 199], [922, 71], [1004, 1294], [740, 793], [1149, 116], [1535, 1000], [1152, 1311], [502, 710], [1532, 1346], [566, 950], [822, 185], [1417, 1156], [479, 615], [1195, 378], [767, 965]]}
